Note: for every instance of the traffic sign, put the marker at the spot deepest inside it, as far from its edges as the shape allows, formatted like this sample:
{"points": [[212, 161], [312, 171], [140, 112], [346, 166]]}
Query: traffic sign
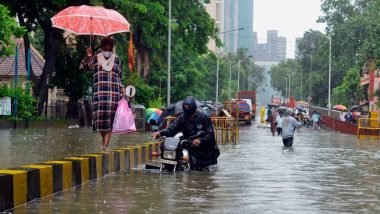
{"points": [[130, 91]]}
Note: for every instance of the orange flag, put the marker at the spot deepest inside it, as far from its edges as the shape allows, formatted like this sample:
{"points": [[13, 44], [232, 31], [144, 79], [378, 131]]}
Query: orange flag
{"points": [[131, 56]]}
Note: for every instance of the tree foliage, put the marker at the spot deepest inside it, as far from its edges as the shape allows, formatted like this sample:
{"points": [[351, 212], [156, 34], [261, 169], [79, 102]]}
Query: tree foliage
{"points": [[350, 91], [354, 27], [26, 104], [9, 28], [193, 66]]}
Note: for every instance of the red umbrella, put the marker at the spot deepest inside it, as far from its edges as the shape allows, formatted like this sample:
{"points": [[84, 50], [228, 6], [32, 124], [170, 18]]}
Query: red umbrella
{"points": [[340, 107], [88, 20]]}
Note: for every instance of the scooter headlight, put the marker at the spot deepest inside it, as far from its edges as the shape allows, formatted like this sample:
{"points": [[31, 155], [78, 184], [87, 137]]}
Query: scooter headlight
{"points": [[168, 154]]}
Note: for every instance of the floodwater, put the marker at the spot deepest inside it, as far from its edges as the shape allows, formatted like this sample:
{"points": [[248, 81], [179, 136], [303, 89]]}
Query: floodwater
{"points": [[28, 146], [326, 172]]}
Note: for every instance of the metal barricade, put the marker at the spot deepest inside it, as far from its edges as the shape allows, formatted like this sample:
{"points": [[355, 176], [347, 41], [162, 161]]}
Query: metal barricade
{"points": [[368, 127], [226, 129]]}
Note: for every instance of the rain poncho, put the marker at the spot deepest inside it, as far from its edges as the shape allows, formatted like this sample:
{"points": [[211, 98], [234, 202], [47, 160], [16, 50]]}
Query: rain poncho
{"points": [[208, 151]]}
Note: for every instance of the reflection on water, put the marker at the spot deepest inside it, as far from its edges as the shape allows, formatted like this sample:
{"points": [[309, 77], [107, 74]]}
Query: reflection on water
{"points": [[26, 146], [325, 173]]}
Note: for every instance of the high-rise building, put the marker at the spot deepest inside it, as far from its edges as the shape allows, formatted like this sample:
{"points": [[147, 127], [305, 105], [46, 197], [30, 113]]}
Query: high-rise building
{"points": [[272, 51], [237, 15], [215, 10], [296, 50]]}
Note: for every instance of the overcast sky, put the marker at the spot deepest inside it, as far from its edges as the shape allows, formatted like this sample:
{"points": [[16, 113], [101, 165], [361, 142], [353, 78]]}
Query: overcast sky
{"points": [[290, 17]]}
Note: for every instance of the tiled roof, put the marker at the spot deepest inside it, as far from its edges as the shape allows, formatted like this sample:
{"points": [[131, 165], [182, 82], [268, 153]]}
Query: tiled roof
{"points": [[7, 64]]}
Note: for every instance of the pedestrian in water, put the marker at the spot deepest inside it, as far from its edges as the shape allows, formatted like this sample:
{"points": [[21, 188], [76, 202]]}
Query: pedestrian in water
{"points": [[272, 121], [107, 87], [315, 119], [279, 123], [289, 124]]}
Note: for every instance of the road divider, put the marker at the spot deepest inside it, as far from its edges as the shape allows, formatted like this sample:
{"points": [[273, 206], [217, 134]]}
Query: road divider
{"points": [[25, 183]]}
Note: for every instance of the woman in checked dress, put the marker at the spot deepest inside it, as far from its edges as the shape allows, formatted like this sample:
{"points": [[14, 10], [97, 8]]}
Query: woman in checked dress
{"points": [[107, 87]]}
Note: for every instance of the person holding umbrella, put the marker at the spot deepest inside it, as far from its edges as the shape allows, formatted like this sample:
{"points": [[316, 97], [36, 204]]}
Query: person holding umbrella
{"points": [[105, 66], [107, 87]]}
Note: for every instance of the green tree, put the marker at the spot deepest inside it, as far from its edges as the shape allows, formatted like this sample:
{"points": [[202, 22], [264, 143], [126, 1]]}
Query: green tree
{"points": [[9, 28], [354, 27], [26, 104], [33, 14], [349, 92]]}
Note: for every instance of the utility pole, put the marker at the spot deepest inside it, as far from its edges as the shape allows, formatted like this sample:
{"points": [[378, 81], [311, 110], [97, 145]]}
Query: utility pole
{"points": [[169, 50]]}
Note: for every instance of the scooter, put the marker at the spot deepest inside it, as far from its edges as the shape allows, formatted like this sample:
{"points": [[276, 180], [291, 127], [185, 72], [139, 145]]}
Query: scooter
{"points": [[175, 153]]}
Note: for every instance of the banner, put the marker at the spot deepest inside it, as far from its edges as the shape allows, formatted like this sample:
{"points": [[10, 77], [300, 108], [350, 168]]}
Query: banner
{"points": [[5, 106]]}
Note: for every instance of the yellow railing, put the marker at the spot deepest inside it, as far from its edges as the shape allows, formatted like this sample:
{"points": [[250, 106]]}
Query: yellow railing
{"points": [[226, 129], [368, 127]]}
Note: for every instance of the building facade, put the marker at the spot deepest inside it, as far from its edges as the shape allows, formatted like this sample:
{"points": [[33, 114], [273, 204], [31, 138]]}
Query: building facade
{"points": [[238, 15], [216, 10], [272, 51], [370, 81]]}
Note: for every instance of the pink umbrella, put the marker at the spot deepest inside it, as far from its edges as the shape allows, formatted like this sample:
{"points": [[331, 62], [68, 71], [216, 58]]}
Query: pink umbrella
{"points": [[88, 20]]}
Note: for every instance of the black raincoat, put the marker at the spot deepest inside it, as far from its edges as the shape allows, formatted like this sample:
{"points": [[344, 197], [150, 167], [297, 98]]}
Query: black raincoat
{"points": [[207, 152]]}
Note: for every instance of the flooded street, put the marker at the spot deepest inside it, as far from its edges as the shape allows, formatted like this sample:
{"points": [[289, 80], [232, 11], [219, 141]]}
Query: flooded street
{"points": [[326, 172], [27, 146]]}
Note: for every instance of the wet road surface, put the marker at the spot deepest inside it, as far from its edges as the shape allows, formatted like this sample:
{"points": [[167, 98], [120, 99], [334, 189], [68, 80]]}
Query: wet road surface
{"points": [[28, 146], [326, 172]]}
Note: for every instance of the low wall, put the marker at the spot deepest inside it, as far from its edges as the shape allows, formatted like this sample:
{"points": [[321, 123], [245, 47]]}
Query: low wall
{"points": [[9, 124], [338, 125], [325, 112], [25, 183]]}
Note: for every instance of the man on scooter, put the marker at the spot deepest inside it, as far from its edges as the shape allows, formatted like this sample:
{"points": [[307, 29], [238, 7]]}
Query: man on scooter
{"points": [[204, 150]]}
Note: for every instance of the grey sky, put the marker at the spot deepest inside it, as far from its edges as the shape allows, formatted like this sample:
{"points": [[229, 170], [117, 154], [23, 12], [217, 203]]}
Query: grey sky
{"points": [[290, 17]]}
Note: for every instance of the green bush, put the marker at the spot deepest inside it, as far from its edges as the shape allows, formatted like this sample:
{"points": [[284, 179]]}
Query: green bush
{"points": [[157, 103], [26, 103]]}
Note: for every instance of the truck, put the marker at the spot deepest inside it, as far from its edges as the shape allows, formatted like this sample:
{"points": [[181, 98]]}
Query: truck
{"points": [[239, 109], [276, 99], [249, 95]]}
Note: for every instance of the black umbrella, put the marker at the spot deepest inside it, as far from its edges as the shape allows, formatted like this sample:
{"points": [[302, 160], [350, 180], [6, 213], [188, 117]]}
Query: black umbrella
{"points": [[208, 109], [282, 108], [176, 108], [272, 105], [301, 108], [355, 108]]}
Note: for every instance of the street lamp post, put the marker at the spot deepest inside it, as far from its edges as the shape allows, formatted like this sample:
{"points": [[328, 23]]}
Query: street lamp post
{"points": [[286, 88], [217, 79], [238, 86], [329, 101], [229, 88], [301, 83], [329, 90], [289, 88], [249, 83], [169, 51]]}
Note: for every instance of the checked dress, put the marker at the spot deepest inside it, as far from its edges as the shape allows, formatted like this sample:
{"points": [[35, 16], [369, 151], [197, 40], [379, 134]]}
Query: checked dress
{"points": [[107, 89]]}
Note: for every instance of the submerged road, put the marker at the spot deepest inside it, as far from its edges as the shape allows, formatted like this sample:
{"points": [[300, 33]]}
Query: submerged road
{"points": [[326, 172]]}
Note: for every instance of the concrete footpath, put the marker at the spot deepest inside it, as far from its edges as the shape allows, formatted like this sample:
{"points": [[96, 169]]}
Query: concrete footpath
{"points": [[25, 183]]}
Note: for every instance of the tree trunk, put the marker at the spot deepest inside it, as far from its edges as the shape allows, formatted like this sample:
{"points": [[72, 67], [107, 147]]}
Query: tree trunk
{"points": [[138, 69], [51, 41], [146, 63]]}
